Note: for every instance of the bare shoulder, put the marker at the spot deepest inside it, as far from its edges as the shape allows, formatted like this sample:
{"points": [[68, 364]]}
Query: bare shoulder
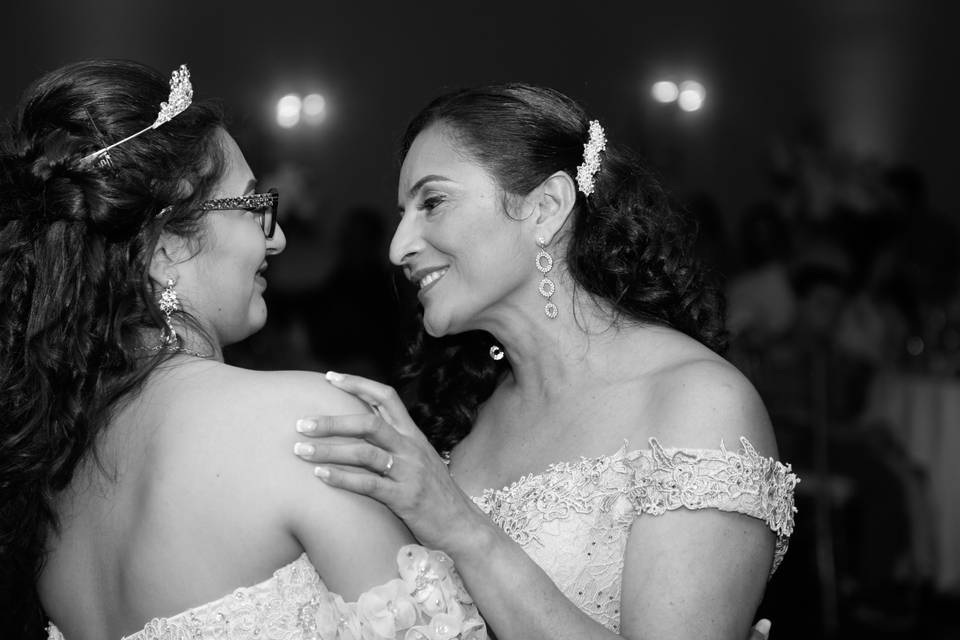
{"points": [[699, 401], [281, 390], [221, 394], [253, 414], [230, 439]]}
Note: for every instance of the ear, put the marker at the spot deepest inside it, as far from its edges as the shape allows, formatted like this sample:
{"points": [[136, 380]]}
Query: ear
{"points": [[556, 197], [170, 251]]}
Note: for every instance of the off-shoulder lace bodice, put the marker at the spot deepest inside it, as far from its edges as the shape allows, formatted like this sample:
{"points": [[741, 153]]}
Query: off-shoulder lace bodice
{"points": [[428, 600], [574, 518]]}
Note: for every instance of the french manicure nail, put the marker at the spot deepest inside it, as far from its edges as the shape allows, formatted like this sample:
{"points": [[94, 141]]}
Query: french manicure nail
{"points": [[306, 425], [321, 472], [333, 376], [304, 449]]}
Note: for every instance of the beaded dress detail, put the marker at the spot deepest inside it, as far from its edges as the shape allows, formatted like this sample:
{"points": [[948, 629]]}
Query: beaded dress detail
{"points": [[428, 600], [574, 518]]}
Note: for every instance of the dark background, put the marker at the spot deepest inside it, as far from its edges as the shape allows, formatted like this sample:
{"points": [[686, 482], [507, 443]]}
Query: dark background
{"points": [[837, 118], [880, 73]]}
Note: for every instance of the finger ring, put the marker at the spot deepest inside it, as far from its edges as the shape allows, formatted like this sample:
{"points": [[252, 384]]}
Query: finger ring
{"points": [[389, 466]]}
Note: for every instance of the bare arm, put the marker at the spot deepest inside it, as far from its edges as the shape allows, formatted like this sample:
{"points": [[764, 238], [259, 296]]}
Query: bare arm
{"points": [[350, 539], [700, 574]]}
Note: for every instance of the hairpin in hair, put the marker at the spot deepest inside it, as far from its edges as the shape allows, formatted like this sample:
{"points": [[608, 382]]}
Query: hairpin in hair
{"points": [[181, 95], [591, 158]]}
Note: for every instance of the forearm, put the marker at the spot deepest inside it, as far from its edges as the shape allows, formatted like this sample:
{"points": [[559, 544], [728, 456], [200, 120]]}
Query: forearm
{"points": [[516, 598]]}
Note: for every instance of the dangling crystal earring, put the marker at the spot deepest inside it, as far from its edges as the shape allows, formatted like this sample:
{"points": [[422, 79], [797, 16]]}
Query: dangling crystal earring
{"points": [[546, 288], [169, 302], [496, 353]]}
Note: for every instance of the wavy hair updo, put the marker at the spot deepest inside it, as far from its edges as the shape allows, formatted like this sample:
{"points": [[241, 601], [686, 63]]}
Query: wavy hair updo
{"points": [[625, 245], [76, 240]]}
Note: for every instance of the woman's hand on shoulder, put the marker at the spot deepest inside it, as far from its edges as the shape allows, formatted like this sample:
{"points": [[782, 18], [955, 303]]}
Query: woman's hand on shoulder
{"points": [[388, 458], [350, 539]]}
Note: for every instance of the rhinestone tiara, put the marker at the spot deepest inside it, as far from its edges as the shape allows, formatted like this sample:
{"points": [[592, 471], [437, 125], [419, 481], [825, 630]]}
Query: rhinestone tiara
{"points": [[181, 95]]}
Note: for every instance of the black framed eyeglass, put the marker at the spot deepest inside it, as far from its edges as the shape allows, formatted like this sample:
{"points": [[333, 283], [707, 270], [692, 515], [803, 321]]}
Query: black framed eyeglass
{"points": [[263, 203]]}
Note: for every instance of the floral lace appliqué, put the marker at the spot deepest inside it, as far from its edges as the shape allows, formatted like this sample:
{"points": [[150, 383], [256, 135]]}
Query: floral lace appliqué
{"points": [[574, 518], [427, 602]]}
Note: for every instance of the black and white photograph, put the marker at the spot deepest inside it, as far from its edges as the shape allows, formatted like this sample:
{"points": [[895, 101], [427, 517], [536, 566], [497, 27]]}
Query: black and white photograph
{"points": [[444, 320]]}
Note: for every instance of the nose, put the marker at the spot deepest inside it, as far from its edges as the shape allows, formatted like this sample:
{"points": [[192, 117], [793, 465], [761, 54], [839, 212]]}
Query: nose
{"points": [[407, 239], [278, 242]]}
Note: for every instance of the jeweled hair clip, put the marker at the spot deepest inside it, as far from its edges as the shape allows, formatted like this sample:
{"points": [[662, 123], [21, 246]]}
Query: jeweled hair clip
{"points": [[181, 95], [591, 158]]}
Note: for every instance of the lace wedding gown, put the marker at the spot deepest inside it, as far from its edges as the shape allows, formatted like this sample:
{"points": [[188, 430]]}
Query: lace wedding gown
{"points": [[427, 601], [573, 520]]}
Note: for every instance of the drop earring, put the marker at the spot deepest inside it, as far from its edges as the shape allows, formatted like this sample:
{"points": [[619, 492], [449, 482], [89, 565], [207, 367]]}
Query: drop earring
{"points": [[169, 303], [546, 287]]}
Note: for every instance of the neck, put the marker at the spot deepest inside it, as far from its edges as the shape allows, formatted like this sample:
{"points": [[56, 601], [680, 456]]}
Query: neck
{"points": [[189, 344], [548, 356]]}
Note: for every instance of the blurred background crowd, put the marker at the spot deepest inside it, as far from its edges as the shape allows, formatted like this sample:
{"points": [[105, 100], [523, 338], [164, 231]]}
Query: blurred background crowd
{"points": [[811, 143]]}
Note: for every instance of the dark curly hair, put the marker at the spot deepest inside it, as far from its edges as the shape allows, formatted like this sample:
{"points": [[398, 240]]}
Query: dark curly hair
{"points": [[626, 246], [76, 239]]}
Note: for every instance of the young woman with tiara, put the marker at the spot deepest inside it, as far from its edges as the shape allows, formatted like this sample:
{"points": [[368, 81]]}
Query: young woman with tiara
{"points": [[145, 489]]}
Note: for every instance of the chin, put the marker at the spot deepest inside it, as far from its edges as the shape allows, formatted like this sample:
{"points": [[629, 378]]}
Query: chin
{"points": [[435, 327], [257, 320], [432, 330]]}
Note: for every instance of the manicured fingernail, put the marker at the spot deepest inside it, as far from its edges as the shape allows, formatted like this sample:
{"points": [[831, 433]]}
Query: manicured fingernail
{"points": [[306, 425], [333, 376], [763, 626], [304, 449], [321, 472]]}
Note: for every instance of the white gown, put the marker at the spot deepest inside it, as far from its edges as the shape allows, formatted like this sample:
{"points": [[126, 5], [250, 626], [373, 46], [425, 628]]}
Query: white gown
{"points": [[573, 520], [426, 602]]}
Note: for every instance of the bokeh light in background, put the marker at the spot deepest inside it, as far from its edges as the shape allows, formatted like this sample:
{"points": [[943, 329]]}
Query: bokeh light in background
{"points": [[314, 109], [293, 110], [288, 110], [665, 91], [691, 96]]}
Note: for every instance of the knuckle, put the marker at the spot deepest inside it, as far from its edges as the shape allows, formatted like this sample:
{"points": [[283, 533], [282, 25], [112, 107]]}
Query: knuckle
{"points": [[368, 484], [382, 390], [391, 395], [371, 423], [369, 456]]}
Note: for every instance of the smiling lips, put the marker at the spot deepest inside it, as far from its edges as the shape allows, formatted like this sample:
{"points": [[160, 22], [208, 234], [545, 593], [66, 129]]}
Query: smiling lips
{"points": [[424, 281]]}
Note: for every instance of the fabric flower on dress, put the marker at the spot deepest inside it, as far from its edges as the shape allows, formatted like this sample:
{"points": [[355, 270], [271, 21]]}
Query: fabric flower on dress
{"points": [[456, 624], [349, 622], [429, 578], [385, 610]]}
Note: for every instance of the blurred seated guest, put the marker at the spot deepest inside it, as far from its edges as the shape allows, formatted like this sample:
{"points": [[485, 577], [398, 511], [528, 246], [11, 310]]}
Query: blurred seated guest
{"points": [[790, 369]]}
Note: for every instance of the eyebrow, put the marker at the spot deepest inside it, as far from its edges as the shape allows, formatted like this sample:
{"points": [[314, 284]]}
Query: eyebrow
{"points": [[251, 186], [424, 180]]}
